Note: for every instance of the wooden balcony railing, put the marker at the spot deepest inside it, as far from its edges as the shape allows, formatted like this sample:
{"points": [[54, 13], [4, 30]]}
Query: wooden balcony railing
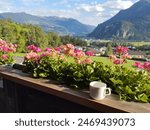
{"points": [[27, 94]]}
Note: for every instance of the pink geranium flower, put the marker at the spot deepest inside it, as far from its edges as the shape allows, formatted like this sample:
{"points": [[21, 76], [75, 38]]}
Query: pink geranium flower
{"points": [[120, 55], [89, 53], [12, 47], [3, 43], [32, 56], [80, 54], [70, 46], [70, 53], [44, 54], [31, 47], [48, 49], [121, 50], [126, 56], [147, 66], [5, 52], [76, 50], [38, 49], [112, 57], [118, 61], [138, 65], [4, 56], [5, 48], [87, 61], [58, 49], [34, 48]]}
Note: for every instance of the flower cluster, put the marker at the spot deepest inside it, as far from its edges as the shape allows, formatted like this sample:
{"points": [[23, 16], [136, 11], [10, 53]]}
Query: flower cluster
{"points": [[78, 55], [35, 53], [89, 53], [145, 66], [120, 55], [5, 52], [55, 62], [50, 63], [33, 48], [120, 50]]}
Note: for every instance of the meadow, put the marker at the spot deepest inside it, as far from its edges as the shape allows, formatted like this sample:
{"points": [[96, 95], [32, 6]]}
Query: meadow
{"points": [[105, 60], [137, 44]]}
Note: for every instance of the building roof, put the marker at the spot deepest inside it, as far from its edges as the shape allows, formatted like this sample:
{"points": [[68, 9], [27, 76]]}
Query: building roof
{"points": [[132, 52]]}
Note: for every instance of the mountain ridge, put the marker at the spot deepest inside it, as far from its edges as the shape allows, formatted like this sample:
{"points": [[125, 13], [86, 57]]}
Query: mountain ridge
{"points": [[56, 24], [130, 24]]}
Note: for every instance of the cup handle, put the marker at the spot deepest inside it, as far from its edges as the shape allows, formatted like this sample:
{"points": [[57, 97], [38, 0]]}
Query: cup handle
{"points": [[108, 91]]}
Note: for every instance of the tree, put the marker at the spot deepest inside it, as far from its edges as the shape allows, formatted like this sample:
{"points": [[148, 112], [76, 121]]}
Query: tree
{"points": [[21, 44], [109, 49], [53, 39], [41, 38]]}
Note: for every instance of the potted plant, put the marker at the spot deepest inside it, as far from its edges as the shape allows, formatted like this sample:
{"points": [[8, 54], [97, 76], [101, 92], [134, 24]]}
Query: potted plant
{"points": [[71, 67], [6, 50]]}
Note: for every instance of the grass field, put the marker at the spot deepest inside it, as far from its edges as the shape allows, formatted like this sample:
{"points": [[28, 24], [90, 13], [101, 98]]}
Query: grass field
{"points": [[137, 44], [19, 54], [105, 60]]}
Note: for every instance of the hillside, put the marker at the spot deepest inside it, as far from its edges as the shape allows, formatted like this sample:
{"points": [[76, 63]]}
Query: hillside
{"points": [[51, 24], [24, 35], [130, 24]]}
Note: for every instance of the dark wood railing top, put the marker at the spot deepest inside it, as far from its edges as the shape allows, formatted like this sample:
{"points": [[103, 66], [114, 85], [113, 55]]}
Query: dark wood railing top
{"points": [[109, 104]]}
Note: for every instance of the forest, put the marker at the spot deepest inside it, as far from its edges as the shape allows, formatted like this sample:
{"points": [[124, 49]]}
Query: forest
{"points": [[27, 34]]}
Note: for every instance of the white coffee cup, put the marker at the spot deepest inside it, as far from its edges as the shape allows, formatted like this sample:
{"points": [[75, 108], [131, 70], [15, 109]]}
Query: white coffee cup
{"points": [[98, 90]]}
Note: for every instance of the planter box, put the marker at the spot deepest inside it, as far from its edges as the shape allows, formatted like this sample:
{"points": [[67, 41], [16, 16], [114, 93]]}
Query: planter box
{"points": [[26, 94]]}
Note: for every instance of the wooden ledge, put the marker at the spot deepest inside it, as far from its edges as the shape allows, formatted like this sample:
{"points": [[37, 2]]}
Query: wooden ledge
{"points": [[109, 104]]}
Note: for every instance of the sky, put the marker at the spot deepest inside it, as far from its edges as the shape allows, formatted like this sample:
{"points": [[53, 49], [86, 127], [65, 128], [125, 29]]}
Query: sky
{"points": [[92, 12]]}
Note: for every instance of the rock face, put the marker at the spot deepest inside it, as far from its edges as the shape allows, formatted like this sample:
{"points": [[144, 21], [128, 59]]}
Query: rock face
{"points": [[51, 24], [131, 24]]}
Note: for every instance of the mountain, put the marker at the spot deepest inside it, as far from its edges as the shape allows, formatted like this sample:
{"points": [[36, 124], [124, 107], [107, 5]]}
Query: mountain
{"points": [[131, 24], [52, 23]]}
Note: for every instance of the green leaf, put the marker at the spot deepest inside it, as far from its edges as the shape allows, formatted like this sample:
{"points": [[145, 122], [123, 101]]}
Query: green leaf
{"points": [[116, 81], [143, 98], [89, 69], [78, 74], [128, 90]]}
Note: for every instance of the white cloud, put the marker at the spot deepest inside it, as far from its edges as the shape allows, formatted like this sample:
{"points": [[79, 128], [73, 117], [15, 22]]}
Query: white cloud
{"points": [[90, 8], [102, 11], [89, 13], [92, 13], [5, 6], [117, 4], [60, 13]]}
